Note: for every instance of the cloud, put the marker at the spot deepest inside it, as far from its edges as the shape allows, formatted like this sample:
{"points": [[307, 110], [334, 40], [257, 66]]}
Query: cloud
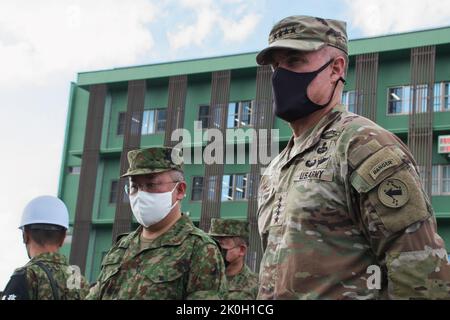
{"points": [[39, 39], [387, 16], [230, 20], [238, 31]]}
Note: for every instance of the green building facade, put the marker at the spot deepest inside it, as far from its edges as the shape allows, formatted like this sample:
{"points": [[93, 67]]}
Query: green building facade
{"points": [[401, 81]]}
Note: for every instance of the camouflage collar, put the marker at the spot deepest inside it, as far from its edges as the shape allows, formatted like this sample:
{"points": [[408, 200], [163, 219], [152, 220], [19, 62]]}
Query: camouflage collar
{"points": [[243, 274], [49, 257], [174, 236], [314, 135]]}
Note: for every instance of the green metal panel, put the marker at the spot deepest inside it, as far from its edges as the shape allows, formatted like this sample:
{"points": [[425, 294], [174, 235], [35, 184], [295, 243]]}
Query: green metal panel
{"points": [[78, 120], [444, 231], [400, 41], [163, 70], [101, 245], [441, 206], [198, 93], [110, 173], [156, 98], [118, 105], [187, 205]]}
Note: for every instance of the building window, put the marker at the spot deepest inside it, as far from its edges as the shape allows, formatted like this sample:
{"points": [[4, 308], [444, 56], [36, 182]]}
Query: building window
{"points": [[197, 189], [113, 191], [121, 123], [445, 179], [239, 114], [203, 116], [154, 121], [446, 104], [348, 99], [421, 98], [234, 187], [74, 170], [400, 98], [398, 101], [441, 97], [435, 180], [440, 180]]}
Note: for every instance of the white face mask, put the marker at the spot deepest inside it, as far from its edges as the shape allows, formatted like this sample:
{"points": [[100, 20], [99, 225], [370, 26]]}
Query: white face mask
{"points": [[150, 208]]}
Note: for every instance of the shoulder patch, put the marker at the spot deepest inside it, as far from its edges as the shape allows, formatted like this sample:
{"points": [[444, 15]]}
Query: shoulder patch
{"points": [[393, 193], [376, 168]]}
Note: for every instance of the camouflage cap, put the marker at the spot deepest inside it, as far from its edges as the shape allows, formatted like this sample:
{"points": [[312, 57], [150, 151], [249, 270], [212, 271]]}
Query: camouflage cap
{"points": [[229, 228], [304, 33], [153, 160]]}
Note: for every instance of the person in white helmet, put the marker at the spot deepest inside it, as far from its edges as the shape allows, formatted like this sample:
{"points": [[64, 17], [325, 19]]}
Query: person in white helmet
{"points": [[47, 276]]}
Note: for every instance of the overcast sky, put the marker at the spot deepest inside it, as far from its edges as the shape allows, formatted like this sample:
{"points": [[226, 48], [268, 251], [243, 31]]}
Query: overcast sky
{"points": [[44, 43]]}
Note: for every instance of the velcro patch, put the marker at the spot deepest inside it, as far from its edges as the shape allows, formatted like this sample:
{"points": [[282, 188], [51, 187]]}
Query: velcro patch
{"points": [[376, 168], [399, 201], [382, 166], [319, 174]]}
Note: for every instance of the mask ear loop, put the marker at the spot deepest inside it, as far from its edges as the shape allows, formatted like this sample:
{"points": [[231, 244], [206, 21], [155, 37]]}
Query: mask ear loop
{"points": [[175, 203]]}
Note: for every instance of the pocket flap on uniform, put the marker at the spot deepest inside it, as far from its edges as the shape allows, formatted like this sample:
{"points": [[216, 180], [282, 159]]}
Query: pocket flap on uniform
{"points": [[376, 168], [162, 273], [111, 259]]}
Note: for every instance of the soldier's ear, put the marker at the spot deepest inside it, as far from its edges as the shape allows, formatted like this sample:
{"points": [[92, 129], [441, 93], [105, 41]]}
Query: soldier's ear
{"points": [[181, 190], [337, 69]]}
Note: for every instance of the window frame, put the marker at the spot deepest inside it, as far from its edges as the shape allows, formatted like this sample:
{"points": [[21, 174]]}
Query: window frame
{"points": [[113, 191], [194, 188], [201, 117], [401, 100], [155, 121], [240, 112], [345, 100], [121, 124], [233, 188]]}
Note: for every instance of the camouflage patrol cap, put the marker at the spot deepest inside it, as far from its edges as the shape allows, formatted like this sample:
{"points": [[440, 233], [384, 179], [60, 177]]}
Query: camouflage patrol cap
{"points": [[153, 160], [304, 33], [229, 228]]}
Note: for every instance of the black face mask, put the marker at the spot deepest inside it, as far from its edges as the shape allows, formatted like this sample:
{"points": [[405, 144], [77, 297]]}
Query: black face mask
{"points": [[291, 100]]}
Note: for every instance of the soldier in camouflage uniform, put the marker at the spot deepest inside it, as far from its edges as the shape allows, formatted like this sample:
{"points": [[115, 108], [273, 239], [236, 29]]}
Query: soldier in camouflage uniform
{"points": [[232, 236], [341, 210], [47, 276], [167, 257]]}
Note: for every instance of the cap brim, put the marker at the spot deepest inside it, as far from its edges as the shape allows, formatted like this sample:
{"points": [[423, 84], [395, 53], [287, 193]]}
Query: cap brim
{"points": [[140, 172], [265, 56]]}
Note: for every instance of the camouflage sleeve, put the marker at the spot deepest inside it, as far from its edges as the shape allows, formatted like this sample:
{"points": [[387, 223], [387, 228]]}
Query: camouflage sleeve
{"points": [[94, 292], [206, 279], [84, 288], [33, 283], [397, 218]]}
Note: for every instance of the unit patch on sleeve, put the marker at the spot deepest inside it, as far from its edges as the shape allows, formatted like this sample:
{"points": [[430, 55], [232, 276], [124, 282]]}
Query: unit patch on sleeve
{"points": [[393, 193]]}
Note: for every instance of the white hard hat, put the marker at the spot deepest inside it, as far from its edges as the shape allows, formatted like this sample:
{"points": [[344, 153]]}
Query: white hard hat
{"points": [[45, 210]]}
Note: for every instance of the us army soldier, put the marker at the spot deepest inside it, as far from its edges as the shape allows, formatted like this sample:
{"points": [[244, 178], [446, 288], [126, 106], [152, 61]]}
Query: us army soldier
{"points": [[344, 198], [166, 257], [232, 236], [47, 276]]}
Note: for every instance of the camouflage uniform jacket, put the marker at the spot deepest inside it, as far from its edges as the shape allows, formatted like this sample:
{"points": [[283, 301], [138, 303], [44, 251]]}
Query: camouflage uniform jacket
{"points": [[243, 286], [183, 263], [31, 281], [343, 208]]}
